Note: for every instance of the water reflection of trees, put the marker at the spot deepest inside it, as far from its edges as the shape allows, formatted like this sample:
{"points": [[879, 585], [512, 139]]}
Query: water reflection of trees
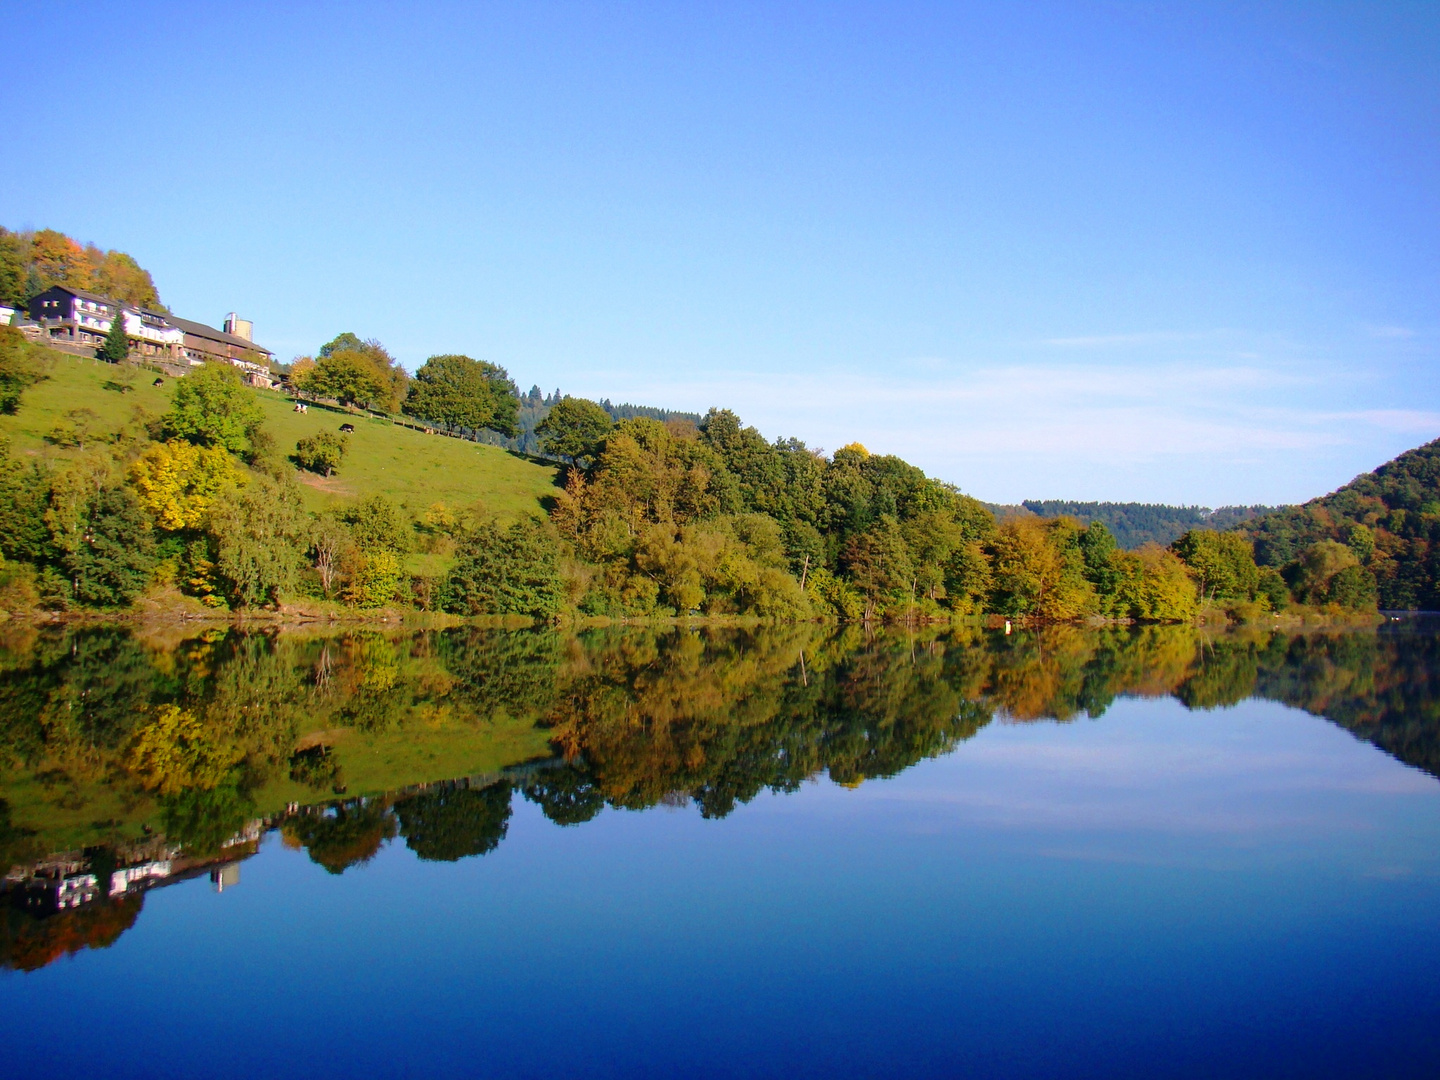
{"points": [[28, 943], [721, 717], [191, 737]]}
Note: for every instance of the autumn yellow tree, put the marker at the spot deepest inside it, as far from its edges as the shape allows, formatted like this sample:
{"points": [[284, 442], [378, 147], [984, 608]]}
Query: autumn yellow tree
{"points": [[178, 482], [118, 275], [1037, 570], [55, 259], [1154, 585]]}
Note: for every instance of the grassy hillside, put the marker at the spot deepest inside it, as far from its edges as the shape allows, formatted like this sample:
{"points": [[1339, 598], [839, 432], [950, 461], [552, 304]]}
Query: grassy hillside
{"points": [[411, 468]]}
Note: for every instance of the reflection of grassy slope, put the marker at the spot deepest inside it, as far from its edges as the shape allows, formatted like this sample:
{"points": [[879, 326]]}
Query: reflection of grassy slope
{"points": [[67, 817], [413, 469], [395, 759]]}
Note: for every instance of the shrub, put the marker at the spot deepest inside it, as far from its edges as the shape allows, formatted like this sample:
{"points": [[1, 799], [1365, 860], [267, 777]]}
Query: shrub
{"points": [[376, 580], [506, 571], [322, 452]]}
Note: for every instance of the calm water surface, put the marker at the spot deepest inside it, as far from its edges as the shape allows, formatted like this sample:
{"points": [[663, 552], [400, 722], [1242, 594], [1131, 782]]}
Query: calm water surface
{"points": [[776, 853]]}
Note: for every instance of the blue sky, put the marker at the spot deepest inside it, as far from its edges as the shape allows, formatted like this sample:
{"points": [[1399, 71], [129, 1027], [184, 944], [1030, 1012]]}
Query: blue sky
{"points": [[1182, 253]]}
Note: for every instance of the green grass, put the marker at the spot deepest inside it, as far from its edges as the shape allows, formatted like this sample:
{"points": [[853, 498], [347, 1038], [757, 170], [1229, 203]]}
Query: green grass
{"points": [[413, 469], [392, 760], [81, 384]]}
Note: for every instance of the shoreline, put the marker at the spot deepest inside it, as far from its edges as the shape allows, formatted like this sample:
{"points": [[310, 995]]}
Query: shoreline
{"points": [[1214, 619]]}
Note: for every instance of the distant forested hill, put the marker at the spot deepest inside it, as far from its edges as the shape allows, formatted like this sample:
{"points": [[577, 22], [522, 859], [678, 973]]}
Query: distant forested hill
{"points": [[1390, 518], [1134, 524], [630, 412], [535, 406]]}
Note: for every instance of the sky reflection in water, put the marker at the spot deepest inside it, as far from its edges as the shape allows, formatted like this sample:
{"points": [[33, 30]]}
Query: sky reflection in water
{"points": [[1247, 891]]}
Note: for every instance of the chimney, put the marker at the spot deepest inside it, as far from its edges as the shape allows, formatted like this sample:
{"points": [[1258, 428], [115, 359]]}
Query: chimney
{"points": [[241, 328]]}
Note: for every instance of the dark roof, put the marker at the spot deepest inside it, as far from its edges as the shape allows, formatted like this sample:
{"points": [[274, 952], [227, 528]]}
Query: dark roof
{"points": [[199, 329], [86, 294], [83, 294]]}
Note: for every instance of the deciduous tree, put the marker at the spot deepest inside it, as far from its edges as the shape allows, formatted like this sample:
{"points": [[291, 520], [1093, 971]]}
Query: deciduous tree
{"points": [[467, 393], [506, 570], [353, 372], [212, 407], [1223, 563], [260, 537], [22, 365], [1038, 570], [103, 538], [574, 429], [178, 482]]}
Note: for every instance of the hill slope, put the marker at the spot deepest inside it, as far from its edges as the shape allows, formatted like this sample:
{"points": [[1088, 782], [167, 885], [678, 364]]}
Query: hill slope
{"points": [[413, 469], [1390, 517]]}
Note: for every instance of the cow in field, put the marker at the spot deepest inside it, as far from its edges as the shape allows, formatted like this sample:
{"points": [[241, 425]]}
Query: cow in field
{"points": [[347, 427]]}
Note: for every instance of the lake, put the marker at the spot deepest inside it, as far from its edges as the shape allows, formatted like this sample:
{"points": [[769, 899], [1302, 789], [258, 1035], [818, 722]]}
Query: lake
{"points": [[787, 852]]}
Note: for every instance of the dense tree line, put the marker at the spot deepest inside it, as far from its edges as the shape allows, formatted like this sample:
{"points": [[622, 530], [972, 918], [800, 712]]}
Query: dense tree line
{"points": [[33, 261], [627, 411], [678, 518]]}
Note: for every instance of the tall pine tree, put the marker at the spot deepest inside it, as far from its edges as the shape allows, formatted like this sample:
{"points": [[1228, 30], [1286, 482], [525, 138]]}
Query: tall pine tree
{"points": [[116, 346]]}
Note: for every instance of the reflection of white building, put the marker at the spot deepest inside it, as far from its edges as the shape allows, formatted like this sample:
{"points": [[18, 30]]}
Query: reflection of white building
{"points": [[77, 889], [60, 888], [121, 881], [225, 877], [250, 834]]}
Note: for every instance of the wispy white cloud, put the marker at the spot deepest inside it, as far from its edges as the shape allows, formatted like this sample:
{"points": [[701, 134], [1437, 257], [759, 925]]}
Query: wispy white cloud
{"points": [[1391, 333], [1245, 430], [1101, 341]]}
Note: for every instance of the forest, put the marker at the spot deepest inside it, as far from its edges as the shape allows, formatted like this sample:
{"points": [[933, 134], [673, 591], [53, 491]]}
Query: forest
{"points": [[33, 261], [1390, 518], [653, 518]]}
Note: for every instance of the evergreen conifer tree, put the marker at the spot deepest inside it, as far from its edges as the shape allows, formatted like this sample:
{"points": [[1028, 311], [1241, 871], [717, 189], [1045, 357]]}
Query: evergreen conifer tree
{"points": [[116, 347]]}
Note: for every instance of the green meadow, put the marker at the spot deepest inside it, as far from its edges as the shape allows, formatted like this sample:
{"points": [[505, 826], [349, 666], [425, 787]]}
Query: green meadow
{"points": [[413, 469]]}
